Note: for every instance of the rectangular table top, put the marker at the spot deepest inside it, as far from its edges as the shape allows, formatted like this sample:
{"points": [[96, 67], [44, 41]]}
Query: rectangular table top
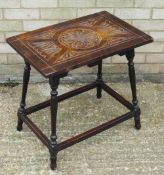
{"points": [[59, 48]]}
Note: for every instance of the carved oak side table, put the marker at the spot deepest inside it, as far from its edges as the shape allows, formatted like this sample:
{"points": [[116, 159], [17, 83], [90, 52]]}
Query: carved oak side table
{"points": [[57, 49]]}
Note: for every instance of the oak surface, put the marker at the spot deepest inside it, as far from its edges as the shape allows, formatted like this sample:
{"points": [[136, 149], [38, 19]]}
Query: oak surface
{"points": [[59, 48]]}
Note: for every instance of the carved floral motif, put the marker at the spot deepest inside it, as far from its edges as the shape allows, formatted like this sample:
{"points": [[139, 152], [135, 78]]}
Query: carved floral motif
{"points": [[60, 44], [79, 38]]}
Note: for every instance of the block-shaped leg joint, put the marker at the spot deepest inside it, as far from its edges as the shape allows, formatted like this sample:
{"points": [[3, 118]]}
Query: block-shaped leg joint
{"points": [[137, 118]]}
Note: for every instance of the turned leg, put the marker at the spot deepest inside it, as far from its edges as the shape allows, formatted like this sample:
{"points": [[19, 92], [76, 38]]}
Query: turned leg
{"points": [[99, 80], [54, 82], [130, 56], [21, 110]]}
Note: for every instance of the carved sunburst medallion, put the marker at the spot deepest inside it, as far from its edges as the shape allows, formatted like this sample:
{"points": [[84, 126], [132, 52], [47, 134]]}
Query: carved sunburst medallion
{"points": [[79, 38]]}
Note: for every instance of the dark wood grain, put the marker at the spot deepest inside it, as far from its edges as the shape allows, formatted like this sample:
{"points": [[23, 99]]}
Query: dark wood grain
{"points": [[62, 97], [117, 96], [132, 77], [54, 82], [99, 80], [21, 110], [57, 49], [62, 47], [94, 131], [36, 130]]}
